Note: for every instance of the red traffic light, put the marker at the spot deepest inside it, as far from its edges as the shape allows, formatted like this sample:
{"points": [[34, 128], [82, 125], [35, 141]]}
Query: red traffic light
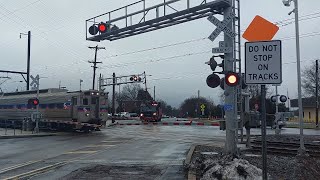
{"points": [[232, 79]]}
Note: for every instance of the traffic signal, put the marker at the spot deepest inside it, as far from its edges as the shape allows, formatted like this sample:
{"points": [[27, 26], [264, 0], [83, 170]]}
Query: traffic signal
{"points": [[33, 101], [135, 78]]}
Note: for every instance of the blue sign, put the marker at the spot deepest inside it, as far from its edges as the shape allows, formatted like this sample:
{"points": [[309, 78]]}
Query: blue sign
{"points": [[228, 107]]}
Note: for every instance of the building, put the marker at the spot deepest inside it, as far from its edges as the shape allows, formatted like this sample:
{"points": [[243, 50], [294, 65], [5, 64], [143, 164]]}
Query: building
{"points": [[309, 108]]}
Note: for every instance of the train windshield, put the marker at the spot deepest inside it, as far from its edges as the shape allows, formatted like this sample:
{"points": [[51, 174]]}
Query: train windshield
{"points": [[148, 108]]}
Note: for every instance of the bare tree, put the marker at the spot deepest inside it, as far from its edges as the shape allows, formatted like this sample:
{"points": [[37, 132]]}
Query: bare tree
{"points": [[309, 80], [130, 92]]}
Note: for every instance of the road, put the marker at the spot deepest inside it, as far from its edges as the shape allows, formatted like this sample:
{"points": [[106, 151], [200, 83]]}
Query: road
{"points": [[123, 152]]}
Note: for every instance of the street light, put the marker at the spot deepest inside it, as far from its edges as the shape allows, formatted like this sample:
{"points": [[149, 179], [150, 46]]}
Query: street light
{"points": [[302, 149]]}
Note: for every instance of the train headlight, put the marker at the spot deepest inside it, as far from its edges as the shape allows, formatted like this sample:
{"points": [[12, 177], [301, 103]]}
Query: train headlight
{"points": [[97, 94], [92, 93], [154, 114], [87, 114], [141, 114]]}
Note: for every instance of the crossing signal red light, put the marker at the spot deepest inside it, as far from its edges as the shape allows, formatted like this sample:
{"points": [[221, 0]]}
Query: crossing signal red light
{"points": [[102, 27], [33, 101], [232, 79]]}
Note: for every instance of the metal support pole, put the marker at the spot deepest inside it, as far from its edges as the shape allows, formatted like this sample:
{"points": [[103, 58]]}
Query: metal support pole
{"points": [[28, 61], [231, 120], [277, 101], [302, 149], [263, 132], [36, 129], [277, 130], [317, 94]]}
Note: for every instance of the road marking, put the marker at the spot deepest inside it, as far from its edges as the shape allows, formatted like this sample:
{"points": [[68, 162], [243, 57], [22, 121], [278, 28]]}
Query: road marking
{"points": [[17, 166], [110, 141], [101, 145], [80, 152], [36, 171]]}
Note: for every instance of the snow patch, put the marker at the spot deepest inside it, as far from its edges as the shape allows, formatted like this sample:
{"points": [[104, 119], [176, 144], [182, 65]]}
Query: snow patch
{"points": [[239, 169]]}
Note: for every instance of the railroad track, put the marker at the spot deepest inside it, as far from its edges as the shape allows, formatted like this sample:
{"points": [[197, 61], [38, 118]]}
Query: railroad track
{"points": [[286, 148]]}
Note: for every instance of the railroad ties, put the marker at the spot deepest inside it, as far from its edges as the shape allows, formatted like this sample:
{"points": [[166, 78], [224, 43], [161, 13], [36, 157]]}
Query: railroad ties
{"points": [[286, 148]]}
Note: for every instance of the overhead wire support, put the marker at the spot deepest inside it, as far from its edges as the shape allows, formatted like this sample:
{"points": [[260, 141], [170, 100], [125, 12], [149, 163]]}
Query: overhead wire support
{"points": [[95, 62]]}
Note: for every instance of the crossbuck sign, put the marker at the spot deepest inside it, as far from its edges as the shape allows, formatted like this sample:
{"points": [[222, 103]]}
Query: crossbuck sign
{"points": [[263, 62], [221, 26], [35, 82]]}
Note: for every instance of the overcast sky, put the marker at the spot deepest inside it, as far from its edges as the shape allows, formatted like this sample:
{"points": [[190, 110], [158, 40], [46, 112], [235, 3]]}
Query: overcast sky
{"points": [[60, 52]]}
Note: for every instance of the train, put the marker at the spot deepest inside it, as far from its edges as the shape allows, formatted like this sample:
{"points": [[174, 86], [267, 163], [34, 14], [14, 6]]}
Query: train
{"points": [[57, 109], [151, 111]]}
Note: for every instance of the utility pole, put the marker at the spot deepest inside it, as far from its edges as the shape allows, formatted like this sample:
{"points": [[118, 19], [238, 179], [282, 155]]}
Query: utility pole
{"points": [[95, 62], [113, 95], [145, 80], [80, 84], [231, 120], [154, 92], [28, 61], [197, 110], [28, 58], [317, 94]]}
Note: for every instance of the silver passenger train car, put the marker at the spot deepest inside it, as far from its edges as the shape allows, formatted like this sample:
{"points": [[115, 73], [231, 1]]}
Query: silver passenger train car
{"points": [[58, 107]]}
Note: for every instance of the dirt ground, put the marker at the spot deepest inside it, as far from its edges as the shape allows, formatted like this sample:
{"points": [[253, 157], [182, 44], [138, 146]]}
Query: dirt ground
{"points": [[279, 166]]}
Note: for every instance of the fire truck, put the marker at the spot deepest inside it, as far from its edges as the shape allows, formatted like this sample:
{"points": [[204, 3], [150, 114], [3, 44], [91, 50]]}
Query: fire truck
{"points": [[150, 111]]}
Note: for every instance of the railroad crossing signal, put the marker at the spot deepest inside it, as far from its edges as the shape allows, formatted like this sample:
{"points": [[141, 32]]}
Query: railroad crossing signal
{"points": [[221, 26], [35, 82], [232, 79], [135, 78], [33, 101]]}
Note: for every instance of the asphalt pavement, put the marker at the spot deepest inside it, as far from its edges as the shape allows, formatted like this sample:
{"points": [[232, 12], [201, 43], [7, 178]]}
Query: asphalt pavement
{"points": [[116, 152]]}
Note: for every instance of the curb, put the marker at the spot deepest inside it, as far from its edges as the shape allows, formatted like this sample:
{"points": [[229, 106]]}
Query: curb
{"points": [[190, 175], [27, 136]]}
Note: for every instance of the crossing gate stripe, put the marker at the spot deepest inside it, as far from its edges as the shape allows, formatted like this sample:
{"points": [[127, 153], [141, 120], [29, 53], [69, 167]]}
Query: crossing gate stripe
{"points": [[174, 123]]}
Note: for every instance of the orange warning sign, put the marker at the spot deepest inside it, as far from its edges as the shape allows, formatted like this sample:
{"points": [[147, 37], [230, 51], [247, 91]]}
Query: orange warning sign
{"points": [[260, 29]]}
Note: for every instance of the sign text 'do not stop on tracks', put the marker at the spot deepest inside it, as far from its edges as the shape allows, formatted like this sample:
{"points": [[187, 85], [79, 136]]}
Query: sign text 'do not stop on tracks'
{"points": [[263, 62]]}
